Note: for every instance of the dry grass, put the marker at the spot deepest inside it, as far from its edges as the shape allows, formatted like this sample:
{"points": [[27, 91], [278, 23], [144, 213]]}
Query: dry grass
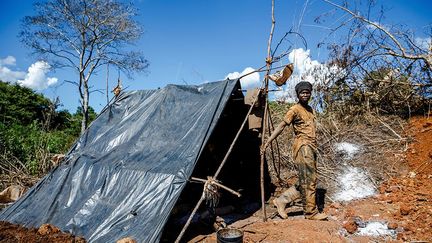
{"points": [[381, 140], [14, 172]]}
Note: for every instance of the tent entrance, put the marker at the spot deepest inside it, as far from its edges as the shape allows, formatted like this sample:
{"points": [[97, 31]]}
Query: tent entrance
{"points": [[240, 173]]}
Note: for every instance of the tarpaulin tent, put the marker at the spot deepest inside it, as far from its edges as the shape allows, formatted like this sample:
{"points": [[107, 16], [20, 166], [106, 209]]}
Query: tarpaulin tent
{"points": [[126, 172]]}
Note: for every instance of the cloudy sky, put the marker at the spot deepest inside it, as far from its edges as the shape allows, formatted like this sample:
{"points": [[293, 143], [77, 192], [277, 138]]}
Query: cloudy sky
{"points": [[195, 41], [35, 77]]}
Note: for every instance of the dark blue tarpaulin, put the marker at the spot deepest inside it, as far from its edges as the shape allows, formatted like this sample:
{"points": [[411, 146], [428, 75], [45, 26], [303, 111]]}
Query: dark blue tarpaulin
{"points": [[126, 172]]}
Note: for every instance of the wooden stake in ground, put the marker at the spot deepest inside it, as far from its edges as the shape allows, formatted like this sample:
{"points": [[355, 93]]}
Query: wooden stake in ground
{"points": [[268, 63]]}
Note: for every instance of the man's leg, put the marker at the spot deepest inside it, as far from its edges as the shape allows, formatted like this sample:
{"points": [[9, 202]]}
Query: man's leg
{"points": [[307, 168], [287, 197]]}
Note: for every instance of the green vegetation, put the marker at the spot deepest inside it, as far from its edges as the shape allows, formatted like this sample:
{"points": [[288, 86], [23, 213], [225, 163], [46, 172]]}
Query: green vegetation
{"points": [[32, 130]]}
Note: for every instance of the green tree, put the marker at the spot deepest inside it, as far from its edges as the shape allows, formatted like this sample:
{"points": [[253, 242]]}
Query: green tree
{"points": [[21, 105]]}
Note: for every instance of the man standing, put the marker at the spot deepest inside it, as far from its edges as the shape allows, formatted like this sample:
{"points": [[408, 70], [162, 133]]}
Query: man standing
{"points": [[302, 117]]}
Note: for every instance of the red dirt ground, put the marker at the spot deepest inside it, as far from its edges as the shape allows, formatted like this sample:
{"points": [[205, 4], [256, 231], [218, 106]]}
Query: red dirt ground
{"points": [[404, 202], [12, 233]]}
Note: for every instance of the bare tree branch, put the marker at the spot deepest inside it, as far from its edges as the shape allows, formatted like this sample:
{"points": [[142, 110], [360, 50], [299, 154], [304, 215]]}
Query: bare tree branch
{"points": [[84, 35], [401, 51]]}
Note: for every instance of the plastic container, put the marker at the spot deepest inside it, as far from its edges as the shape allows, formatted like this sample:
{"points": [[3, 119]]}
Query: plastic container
{"points": [[229, 236]]}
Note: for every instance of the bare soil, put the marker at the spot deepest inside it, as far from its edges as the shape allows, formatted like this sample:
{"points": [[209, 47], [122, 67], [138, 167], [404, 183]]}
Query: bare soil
{"points": [[12, 233]]}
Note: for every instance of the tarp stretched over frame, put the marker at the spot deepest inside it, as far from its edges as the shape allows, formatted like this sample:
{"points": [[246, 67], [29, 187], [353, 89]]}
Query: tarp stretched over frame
{"points": [[124, 175]]}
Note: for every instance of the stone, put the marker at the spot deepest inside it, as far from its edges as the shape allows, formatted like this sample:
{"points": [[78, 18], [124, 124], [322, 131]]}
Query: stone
{"points": [[404, 209], [392, 225], [47, 229], [350, 226], [335, 205], [126, 240]]}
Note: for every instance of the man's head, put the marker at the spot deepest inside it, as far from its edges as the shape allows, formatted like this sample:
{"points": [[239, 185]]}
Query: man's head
{"points": [[303, 90]]}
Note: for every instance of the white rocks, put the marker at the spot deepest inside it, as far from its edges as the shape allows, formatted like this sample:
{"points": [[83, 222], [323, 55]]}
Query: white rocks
{"points": [[376, 229], [354, 184], [348, 149]]}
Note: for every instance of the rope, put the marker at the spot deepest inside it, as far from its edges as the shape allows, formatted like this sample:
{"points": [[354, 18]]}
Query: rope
{"points": [[211, 192], [217, 183]]}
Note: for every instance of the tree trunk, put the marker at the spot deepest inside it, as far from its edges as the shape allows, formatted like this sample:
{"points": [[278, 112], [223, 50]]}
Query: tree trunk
{"points": [[85, 106]]}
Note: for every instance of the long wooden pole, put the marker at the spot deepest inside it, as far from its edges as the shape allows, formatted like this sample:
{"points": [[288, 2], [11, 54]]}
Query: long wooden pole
{"points": [[268, 63]]}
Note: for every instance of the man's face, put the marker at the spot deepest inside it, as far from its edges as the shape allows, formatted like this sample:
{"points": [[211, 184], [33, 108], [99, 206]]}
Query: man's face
{"points": [[304, 96]]}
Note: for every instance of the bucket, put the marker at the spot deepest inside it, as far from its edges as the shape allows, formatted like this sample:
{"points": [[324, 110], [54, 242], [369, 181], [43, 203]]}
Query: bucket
{"points": [[229, 236]]}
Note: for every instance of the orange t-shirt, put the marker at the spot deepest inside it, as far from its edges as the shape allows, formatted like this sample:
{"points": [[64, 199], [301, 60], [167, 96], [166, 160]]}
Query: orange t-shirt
{"points": [[303, 120]]}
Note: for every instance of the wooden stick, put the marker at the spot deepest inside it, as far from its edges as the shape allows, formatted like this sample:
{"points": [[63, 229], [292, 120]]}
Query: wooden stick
{"points": [[262, 168], [219, 185], [190, 218], [329, 198], [268, 62], [388, 127], [236, 137], [424, 163]]}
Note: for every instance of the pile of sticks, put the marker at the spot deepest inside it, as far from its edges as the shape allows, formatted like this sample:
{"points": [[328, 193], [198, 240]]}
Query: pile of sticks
{"points": [[381, 140], [15, 173]]}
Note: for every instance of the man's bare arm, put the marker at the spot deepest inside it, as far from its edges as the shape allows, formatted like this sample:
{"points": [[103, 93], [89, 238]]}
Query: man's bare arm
{"points": [[275, 133]]}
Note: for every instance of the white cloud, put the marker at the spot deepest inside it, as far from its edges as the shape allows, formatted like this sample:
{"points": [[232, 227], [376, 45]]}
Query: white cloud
{"points": [[34, 79], [6, 74], [424, 43], [250, 81], [36, 76], [301, 60], [306, 69], [8, 61]]}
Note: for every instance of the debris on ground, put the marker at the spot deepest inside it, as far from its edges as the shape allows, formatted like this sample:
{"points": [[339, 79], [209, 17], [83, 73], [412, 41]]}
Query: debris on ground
{"points": [[376, 229], [127, 240]]}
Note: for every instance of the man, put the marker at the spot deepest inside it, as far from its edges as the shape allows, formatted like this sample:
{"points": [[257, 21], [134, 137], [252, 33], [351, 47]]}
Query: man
{"points": [[302, 117]]}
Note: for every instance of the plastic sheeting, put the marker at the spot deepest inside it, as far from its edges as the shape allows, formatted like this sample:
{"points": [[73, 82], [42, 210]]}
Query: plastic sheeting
{"points": [[124, 175]]}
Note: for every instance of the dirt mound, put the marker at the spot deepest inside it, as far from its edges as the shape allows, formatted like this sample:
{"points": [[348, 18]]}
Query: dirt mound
{"points": [[411, 193], [419, 154], [46, 233]]}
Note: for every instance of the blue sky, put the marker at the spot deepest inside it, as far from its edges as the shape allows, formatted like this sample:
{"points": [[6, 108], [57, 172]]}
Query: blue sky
{"points": [[196, 41]]}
